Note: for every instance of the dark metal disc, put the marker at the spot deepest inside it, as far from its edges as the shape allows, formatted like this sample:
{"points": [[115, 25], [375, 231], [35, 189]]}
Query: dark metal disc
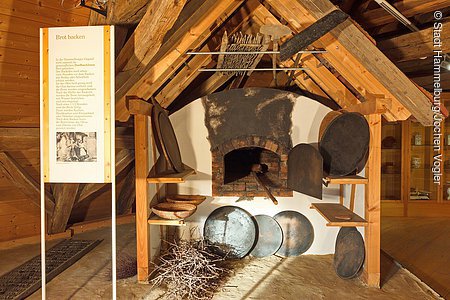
{"points": [[305, 170], [344, 143], [349, 252], [298, 233], [168, 144], [270, 236], [232, 230]]}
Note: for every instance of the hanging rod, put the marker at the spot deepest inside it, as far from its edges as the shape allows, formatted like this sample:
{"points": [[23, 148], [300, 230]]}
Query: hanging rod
{"points": [[243, 70], [251, 52]]}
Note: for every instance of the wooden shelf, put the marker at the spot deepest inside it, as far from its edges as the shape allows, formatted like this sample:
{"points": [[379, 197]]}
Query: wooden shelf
{"points": [[155, 220], [170, 176], [332, 211], [352, 179]]}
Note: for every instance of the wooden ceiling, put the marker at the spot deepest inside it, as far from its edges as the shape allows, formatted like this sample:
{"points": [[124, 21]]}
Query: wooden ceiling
{"points": [[367, 56]]}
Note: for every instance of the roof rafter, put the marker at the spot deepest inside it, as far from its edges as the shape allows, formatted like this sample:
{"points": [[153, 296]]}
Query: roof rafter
{"points": [[196, 30], [189, 72], [408, 8], [360, 62], [323, 77], [414, 45]]}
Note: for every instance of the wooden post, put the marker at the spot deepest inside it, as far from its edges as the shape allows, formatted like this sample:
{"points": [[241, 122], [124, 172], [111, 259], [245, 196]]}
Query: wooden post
{"points": [[65, 196], [142, 232], [406, 165], [373, 204]]}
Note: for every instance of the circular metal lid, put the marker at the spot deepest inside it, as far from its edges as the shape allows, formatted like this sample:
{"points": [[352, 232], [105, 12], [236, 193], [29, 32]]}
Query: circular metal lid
{"points": [[298, 233], [270, 236], [344, 143], [232, 230], [165, 138], [349, 252]]}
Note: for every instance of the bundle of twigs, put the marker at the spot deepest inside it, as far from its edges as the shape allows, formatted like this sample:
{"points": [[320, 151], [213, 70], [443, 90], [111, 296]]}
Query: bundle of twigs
{"points": [[190, 270]]}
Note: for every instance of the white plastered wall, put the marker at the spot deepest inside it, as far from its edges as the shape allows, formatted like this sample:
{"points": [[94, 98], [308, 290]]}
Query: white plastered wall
{"points": [[191, 132]]}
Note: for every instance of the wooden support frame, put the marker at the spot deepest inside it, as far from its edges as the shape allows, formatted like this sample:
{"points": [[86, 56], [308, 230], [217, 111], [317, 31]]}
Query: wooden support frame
{"points": [[27, 184], [406, 166], [408, 8], [65, 196], [141, 124], [373, 204], [319, 74], [358, 60], [147, 79], [414, 45]]}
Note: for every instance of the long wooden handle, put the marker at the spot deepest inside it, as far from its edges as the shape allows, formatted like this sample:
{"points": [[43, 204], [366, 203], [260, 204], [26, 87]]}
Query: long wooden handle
{"points": [[269, 194]]}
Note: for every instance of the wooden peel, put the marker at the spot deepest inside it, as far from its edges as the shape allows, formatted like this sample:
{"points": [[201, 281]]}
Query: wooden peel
{"points": [[269, 194]]}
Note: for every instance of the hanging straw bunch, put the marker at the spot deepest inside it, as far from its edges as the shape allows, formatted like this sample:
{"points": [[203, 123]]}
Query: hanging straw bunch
{"points": [[190, 270]]}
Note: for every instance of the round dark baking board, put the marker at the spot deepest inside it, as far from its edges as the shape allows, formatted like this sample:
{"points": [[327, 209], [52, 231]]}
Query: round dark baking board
{"points": [[349, 252], [232, 230], [270, 236], [298, 233], [168, 144], [344, 143]]}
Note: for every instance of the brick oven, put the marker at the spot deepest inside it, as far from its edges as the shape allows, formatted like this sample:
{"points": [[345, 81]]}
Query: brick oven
{"points": [[249, 127]]}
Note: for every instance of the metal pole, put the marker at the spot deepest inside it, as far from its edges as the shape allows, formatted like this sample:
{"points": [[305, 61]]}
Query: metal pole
{"points": [[243, 70], [250, 52]]}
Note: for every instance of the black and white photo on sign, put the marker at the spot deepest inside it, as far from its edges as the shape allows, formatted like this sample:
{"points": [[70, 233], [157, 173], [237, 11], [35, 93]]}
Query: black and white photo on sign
{"points": [[76, 146]]}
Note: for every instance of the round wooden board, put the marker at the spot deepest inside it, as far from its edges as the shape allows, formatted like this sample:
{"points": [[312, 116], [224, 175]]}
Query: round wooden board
{"points": [[349, 252], [298, 233], [270, 236]]}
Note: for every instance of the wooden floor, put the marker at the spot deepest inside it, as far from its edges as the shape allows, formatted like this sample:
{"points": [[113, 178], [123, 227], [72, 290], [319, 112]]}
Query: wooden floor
{"points": [[421, 245]]}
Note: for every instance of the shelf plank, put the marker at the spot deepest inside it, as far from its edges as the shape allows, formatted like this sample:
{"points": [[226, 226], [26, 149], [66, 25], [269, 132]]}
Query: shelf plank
{"points": [[334, 213], [170, 176], [352, 179], [156, 220]]}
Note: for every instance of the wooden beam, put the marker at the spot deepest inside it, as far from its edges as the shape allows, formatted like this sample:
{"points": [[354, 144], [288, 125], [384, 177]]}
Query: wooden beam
{"points": [[139, 107], [120, 12], [148, 37], [405, 192], [362, 6], [415, 45], [321, 76], [370, 107], [408, 8], [142, 209], [189, 72], [128, 12], [360, 62], [22, 180], [196, 30], [373, 204], [127, 194], [65, 195], [347, 6], [209, 86], [19, 139], [123, 159]]}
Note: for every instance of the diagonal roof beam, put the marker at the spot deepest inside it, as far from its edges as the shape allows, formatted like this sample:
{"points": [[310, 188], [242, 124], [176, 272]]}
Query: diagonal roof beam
{"points": [[146, 80], [25, 182], [360, 62], [148, 37], [323, 77], [189, 72], [408, 8], [414, 45]]}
